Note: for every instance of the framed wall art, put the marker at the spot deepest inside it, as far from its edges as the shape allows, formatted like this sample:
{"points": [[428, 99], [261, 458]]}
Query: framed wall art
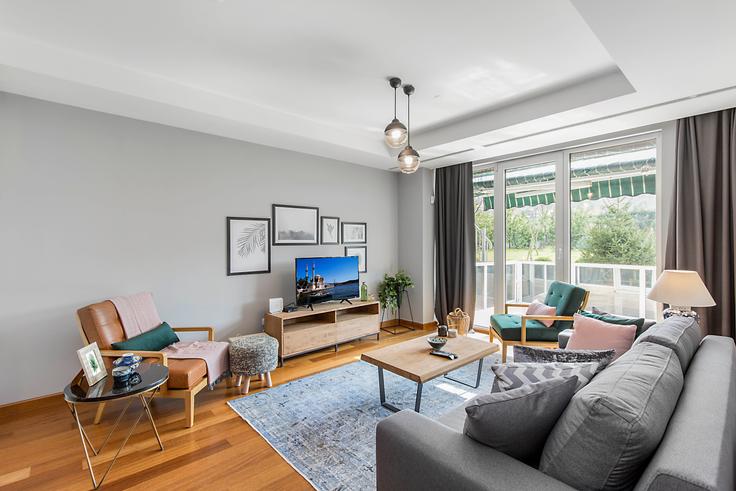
{"points": [[295, 225], [354, 233], [362, 253], [248, 245], [329, 232]]}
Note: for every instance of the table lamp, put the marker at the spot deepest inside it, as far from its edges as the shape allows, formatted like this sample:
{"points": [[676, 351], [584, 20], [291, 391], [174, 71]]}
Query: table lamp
{"points": [[682, 290]]}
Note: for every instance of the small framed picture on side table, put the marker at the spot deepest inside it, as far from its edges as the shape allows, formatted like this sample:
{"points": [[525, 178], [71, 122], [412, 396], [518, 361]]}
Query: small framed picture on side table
{"points": [[92, 364]]}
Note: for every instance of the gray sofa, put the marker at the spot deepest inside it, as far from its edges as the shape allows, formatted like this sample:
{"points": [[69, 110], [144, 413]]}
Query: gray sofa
{"points": [[694, 450]]}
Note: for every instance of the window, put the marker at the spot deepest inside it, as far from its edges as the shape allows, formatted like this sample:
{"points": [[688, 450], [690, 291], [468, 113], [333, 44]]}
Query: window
{"points": [[600, 235]]}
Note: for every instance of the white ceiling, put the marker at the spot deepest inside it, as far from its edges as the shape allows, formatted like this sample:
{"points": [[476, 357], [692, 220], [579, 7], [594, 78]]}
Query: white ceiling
{"points": [[491, 77]]}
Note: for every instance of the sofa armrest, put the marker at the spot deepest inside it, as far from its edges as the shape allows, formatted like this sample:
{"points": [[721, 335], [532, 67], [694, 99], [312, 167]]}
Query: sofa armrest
{"points": [[209, 330], [414, 452], [162, 358]]}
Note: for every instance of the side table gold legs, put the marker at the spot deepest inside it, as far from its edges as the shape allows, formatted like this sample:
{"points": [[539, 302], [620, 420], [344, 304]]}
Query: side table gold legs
{"points": [[87, 445]]}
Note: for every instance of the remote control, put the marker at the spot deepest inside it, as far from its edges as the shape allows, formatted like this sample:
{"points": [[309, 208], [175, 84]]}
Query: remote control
{"points": [[444, 354]]}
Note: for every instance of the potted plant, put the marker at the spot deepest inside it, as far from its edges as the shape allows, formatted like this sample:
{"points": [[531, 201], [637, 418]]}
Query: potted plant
{"points": [[392, 288]]}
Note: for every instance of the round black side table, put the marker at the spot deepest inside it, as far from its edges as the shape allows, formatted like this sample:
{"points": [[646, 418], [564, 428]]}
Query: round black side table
{"points": [[151, 376]]}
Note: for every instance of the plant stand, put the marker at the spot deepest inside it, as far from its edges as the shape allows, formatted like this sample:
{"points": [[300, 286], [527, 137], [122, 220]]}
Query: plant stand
{"points": [[411, 314]]}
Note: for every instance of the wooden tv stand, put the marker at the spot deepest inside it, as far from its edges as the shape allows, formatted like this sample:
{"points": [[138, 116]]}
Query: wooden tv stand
{"points": [[329, 324]]}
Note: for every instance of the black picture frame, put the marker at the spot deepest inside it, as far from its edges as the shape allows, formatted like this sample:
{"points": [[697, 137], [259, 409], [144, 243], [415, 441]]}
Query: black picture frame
{"points": [[348, 241], [229, 244], [321, 230], [365, 257], [275, 225]]}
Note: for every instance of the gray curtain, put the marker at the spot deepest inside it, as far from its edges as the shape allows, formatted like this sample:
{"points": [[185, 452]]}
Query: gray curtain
{"points": [[702, 232], [454, 241]]}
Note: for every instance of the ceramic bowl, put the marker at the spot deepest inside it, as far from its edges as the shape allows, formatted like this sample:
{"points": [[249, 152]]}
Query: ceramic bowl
{"points": [[437, 342], [130, 362]]}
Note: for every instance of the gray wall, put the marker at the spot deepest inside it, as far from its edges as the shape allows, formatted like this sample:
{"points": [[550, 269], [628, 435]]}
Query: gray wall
{"points": [[416, 241], [94, 205]]}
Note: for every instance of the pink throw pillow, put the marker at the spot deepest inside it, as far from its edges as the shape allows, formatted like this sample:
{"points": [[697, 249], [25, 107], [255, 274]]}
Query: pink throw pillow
{"points": [[591, 333], [538, 308]]}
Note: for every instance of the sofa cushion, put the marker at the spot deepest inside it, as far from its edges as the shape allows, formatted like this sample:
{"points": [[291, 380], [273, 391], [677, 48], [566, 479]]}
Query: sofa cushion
{"points": [[514, 375], [616, 319], [154, 340], [681, 334], [508, 327], [594, 334], [517, 422], [534, 354], [699, 448], [185, 373], [613, 425]]}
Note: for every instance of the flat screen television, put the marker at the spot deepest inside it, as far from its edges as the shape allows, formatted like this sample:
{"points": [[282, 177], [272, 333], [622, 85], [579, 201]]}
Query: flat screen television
{"points": [[323, 279]]}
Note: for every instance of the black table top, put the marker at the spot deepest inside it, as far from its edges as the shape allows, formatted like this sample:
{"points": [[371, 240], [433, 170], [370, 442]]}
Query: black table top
{"points": [[152, 375]]}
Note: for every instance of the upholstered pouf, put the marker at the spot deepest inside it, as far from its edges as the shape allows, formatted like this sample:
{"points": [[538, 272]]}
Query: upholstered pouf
{"points": [[251, 355]]}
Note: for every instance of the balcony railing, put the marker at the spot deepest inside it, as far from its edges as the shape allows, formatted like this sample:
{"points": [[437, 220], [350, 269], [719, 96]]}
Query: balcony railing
{"points": [[616, 288]]}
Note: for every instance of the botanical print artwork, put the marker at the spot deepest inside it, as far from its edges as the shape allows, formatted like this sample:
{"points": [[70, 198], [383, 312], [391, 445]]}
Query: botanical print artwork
{"points": [[249, 248], [354, 233], [294, 225], [330, 230], [91, 361], [93, 365]]}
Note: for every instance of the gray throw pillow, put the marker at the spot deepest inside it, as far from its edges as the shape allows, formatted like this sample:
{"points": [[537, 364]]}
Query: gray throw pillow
{"points": [[680, 334], [514, 375], [517, 422], [532, 354]]}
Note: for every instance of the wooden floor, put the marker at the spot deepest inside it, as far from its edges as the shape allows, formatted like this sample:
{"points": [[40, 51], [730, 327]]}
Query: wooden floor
{"points": [[40, 446]]}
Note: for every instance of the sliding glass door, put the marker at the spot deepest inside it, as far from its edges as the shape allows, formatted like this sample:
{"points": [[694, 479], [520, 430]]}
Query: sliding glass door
{"points": [[586, 215]]}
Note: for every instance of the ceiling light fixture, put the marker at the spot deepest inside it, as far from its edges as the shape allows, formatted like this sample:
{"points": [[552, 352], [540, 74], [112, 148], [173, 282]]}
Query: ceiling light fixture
{"points": [[395, 132], [408, 157]]}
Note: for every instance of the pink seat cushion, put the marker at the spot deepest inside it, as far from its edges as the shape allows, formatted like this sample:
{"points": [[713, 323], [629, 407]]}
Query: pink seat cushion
{"points": [[591, 333], [538, 308]]}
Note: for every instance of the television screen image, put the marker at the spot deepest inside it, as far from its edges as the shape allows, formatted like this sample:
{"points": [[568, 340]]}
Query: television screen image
{"points": [[322, 279]]}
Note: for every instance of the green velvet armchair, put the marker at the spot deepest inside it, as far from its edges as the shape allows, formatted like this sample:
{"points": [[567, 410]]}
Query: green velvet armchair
{"points": [[529, 330]]}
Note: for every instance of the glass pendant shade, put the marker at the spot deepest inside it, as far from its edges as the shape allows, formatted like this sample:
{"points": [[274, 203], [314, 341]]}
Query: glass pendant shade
{"points": [[408, 160], [395, 134]]}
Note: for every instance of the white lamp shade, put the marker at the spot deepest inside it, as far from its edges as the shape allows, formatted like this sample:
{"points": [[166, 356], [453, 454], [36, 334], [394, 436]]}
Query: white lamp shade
{"points": [[681, 288]]}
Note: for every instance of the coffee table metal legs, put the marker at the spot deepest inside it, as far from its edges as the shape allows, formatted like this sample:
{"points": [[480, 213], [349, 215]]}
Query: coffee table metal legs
{"points": [[95, 451], [391, 407], [477, 378]]}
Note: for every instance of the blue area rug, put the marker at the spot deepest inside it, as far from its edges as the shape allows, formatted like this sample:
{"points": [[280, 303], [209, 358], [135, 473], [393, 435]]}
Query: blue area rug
{"points": [[325, 425]]}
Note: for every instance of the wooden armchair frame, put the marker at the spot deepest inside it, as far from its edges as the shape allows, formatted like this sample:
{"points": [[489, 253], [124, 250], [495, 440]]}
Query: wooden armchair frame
{"points": [[524, 318], [186, 394]]}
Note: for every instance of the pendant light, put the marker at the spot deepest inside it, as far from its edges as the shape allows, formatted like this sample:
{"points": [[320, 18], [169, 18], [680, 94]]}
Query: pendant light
{"points": [[395, 132], [408, 157]]}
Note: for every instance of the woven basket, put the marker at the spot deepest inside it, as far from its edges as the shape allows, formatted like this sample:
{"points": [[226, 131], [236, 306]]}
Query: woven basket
{"points": [[459, 320]]}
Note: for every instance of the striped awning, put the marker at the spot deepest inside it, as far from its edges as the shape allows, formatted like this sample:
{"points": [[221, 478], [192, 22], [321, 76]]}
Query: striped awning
{"points": [[613, 180]]}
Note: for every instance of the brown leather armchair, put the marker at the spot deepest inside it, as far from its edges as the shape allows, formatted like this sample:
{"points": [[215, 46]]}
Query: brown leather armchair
{"points": [[100, 323]]}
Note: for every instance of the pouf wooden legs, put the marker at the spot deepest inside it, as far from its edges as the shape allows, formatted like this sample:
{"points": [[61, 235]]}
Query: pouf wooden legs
{"points": [[245, 387]]}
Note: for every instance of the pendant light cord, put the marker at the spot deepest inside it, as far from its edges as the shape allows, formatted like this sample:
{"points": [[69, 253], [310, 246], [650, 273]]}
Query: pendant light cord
{"points": [[394, 102], [408, 120]]}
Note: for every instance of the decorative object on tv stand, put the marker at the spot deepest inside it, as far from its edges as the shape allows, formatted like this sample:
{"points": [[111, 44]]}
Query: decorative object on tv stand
{"points": [[681, 290], [391, 292], [354, 233], [295, 225], [329, 232], [92, 364], [408, 157], [322, 279], [395, 133], [362, 253], [248, 245], [363, 292], [275, 305]]}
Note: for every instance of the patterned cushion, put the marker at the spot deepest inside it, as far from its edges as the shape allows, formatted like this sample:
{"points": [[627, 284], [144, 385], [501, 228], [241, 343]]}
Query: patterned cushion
{"points": [[532, 354], [514, 375]]}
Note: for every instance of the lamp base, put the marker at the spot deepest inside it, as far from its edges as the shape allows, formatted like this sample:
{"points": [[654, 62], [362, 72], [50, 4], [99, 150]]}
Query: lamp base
{"points": [[680, 311]]}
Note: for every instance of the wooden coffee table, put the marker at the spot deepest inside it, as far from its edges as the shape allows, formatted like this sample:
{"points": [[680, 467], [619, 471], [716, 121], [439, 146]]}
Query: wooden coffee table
{"points": [[411, 360]]}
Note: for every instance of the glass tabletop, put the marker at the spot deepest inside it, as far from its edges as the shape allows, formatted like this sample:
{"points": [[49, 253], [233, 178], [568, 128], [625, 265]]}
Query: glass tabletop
{"points": [[152, 375]]}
